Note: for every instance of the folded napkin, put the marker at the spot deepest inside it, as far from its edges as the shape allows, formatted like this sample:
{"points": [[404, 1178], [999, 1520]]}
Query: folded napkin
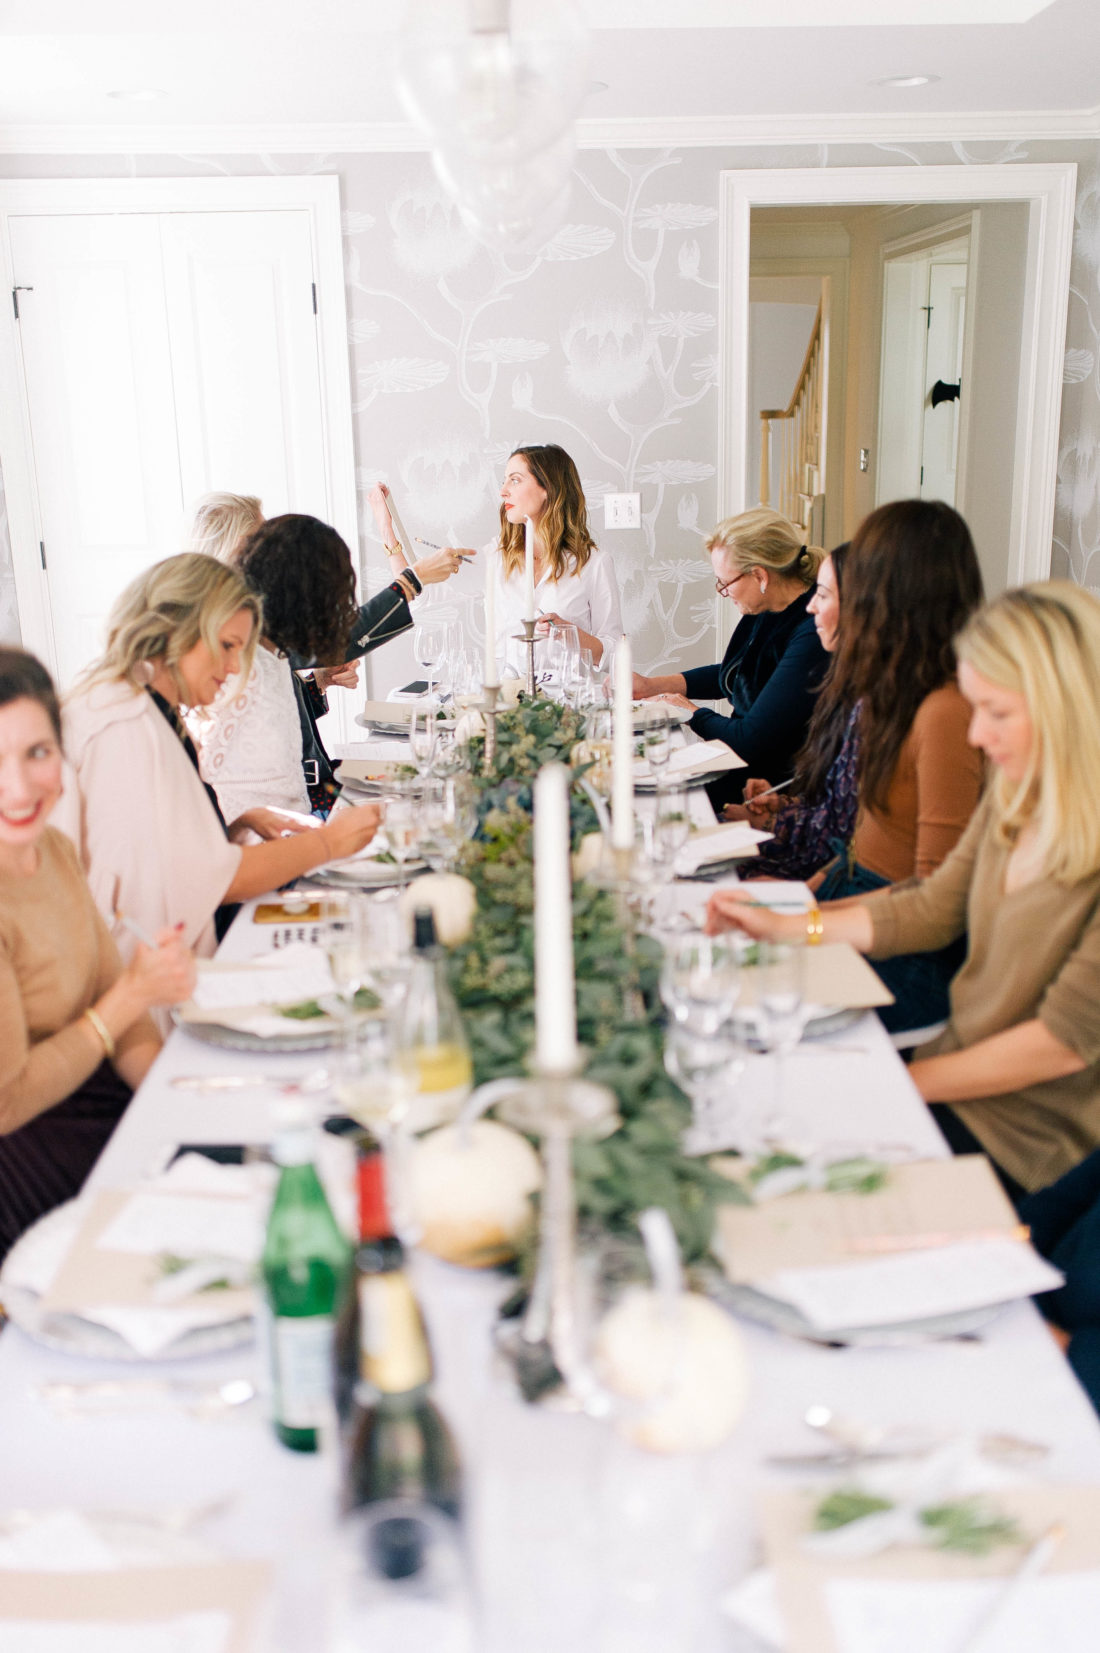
{"points": [[289, 975], [719, 843]]}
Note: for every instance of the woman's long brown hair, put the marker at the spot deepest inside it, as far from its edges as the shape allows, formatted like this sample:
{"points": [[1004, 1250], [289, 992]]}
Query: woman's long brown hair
{"points": [[911, 582], [563, 526]]}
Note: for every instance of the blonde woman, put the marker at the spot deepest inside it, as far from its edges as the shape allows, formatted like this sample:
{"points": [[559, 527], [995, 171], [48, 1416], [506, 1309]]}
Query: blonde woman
{"points": [[574, 580], [222, 522], [774, 663], [149, 833], [1017, 1070]]}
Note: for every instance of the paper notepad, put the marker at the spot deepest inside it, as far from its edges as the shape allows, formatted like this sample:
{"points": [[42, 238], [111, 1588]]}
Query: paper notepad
{"points": [[922, 1600], [186, 1609], [702, 757], [719, 843]]}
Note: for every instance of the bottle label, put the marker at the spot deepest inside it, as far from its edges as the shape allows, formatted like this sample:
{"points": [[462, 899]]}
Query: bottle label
{"points": [[301, 1349], [393, 1347]]}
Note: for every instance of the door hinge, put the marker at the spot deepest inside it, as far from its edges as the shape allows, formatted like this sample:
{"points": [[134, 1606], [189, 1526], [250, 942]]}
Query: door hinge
{"points": [[314, 285], [42, 554], [15, 292]]}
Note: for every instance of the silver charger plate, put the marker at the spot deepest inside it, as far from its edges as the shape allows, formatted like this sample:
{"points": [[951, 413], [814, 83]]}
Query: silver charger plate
{"points": [[305, 1036], [73, 1335], [690, 783], [773, 1312], [366, 874], [819, 1025]]}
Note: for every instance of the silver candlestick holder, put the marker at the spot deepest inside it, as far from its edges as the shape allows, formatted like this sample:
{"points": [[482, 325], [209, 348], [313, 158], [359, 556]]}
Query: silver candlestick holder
{"points": [[528, 639], [490, 711], [545, 1345]]}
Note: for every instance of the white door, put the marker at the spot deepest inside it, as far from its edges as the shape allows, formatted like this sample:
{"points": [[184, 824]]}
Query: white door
{"points": [[102, 422], [164, 354], [242, 324], [943, 365]]}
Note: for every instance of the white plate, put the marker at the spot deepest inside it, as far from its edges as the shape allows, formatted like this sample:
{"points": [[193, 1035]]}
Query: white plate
{"points": [[674, 714], [784, 1317], [677, 779], [367, 874], [319, 1033], [75, 1336]]}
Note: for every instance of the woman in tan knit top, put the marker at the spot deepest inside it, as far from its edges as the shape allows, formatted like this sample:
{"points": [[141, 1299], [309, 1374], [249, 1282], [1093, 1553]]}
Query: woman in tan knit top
{"points": [[1017, 1070], [75, 1033], [888, 781]]}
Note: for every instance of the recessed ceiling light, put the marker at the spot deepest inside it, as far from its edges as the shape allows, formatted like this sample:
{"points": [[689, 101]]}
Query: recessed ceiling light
{"points": [[905, 80], [137, 94]]}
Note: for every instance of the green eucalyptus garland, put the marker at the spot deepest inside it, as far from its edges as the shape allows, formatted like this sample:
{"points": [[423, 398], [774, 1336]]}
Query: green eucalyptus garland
{"points": [[493, 978]]}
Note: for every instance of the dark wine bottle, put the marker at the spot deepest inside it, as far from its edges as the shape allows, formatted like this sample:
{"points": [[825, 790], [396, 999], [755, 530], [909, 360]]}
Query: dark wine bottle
{"points": [[399, 1446]]}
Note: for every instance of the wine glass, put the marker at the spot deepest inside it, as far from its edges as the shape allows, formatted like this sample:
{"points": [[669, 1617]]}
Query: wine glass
{"points": [[344, 938], [429, 647], [705, 1066], [402, 825], [778, 1014], [422, 736], [657, 729], [700, 982]]}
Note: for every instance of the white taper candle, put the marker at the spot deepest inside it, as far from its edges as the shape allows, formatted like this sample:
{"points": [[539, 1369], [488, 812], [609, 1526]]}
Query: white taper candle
{"points": [[529, 570], [489, 674], [555, 998], [622, 750]]}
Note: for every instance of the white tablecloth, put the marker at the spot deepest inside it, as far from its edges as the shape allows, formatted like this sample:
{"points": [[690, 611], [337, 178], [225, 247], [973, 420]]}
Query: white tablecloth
{"points": [[581, 1544]]}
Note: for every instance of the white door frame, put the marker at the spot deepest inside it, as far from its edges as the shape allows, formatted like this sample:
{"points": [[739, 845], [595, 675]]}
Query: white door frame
{"points": [[319, 196], [1049, 191]]}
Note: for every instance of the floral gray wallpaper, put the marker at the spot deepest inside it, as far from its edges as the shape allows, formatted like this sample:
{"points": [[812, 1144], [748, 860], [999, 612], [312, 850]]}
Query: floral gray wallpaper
{"points": [[605, 341]]}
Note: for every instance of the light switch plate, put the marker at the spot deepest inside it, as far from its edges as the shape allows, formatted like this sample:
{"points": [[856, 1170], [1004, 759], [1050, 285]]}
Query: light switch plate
{"points": [[622, 510]]}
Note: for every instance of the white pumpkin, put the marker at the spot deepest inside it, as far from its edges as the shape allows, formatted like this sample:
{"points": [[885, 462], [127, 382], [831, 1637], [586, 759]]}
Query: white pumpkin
{"points": [[471, 723], [453, 901], [510, 691], [689, 1363], [588, 855], [470, 1191]]}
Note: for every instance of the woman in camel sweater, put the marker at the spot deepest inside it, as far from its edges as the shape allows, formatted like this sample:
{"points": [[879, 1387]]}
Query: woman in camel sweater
{"points": [[889, 781], [75, 1033]]}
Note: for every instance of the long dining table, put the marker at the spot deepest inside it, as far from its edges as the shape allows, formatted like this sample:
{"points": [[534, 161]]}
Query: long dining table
{"points": [[578, 1541]]}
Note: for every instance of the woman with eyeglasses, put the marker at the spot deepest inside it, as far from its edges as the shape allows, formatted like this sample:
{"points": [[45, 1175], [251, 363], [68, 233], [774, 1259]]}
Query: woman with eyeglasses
{"points": [[774, 663]]}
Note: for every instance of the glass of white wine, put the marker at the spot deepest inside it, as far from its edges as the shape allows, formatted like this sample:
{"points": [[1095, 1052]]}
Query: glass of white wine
{"points": [[402, 822], [344, 938]]}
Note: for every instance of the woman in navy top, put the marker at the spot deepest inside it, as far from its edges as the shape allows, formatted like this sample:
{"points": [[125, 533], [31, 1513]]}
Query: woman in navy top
{"points": [[774, 663]]}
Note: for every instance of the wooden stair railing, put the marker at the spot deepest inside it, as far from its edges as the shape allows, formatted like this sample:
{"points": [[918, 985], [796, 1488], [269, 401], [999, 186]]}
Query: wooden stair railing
{"points": [[801, 423]]}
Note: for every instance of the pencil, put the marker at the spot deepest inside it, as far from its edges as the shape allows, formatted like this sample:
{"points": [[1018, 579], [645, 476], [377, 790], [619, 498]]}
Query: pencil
{"points": [[430, 545], [135, 929]]}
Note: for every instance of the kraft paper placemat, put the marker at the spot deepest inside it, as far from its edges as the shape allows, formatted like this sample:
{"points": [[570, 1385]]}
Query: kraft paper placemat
{"points": [[835, 976], [91, 1276], [131, 1594], [954, 1198], [786, 1517]]}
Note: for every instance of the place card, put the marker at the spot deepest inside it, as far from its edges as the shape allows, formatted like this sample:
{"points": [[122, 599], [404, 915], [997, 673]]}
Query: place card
{"points": [[943, 1200], [184, 1609], [917, 1599]]}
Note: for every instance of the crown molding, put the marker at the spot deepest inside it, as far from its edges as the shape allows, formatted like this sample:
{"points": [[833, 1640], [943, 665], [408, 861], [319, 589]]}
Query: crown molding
{"points": [[625, 132]]}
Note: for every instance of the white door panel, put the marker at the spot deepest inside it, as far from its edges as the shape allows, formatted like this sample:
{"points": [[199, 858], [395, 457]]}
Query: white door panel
{"points": [[239, 292], [940, 447], [99, 390]]}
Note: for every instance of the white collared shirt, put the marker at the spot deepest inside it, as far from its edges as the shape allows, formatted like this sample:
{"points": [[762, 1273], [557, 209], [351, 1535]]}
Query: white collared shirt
{"points": [[590, 599]]}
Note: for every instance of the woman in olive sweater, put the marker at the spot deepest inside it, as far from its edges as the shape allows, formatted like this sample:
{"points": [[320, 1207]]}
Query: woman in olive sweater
{"points": [[1017, 1069]]}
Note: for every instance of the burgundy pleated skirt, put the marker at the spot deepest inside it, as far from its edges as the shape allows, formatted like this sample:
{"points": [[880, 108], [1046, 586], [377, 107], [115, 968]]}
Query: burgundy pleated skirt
{"points": [[45, 1162]]}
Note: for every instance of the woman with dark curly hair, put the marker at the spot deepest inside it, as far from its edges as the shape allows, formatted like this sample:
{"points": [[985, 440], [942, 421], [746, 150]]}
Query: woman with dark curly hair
{"points": [[250, 742]]}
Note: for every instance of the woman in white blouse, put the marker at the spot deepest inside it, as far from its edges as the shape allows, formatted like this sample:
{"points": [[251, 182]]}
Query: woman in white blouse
{"points": [[574, 580]]}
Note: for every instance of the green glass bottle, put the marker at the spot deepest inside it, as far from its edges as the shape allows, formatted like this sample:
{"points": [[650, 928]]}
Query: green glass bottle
{"points": [[304, 1268]]}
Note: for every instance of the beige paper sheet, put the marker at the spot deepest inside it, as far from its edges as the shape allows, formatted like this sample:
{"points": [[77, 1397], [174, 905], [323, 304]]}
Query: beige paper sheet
{"points": [[93, 1277], [809, 1229], [387, 711], [835, 976], [801, 1578], [135, 1593]]}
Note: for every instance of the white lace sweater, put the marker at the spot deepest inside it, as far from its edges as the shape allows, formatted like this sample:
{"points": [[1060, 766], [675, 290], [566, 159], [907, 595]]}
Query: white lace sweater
{"points": [[250, 741]]}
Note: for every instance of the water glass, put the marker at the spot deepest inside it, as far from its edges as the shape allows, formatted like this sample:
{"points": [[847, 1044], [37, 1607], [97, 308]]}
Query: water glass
{"points": [[345, 940], [657, 727], [778, 1015], [422, 736], [429, 647], [402, 825], [700, 982]]}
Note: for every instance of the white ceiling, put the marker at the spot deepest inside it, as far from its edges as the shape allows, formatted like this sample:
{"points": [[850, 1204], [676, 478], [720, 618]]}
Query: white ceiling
{"points": [[659, 59]]}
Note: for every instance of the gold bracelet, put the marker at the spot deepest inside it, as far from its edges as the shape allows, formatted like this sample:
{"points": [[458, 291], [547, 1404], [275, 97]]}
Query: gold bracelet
{"points": [[102, 1029], [815, 927]]}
